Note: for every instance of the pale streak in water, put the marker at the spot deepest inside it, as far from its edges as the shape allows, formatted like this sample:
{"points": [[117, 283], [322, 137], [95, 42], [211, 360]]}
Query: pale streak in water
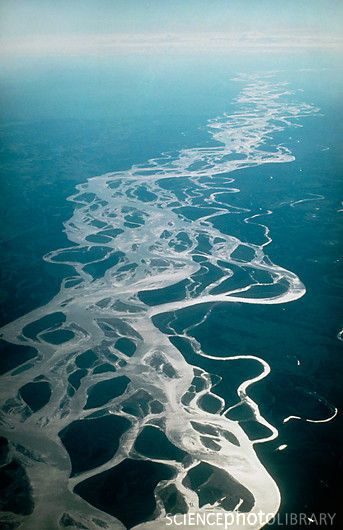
{"points": [[152, 258]]}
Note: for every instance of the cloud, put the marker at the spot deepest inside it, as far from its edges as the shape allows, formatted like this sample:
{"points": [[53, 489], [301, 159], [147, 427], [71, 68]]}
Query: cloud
{"points": [[117, 43]]}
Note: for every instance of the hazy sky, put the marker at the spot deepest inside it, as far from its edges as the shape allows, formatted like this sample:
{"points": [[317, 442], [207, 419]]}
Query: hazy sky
{"points": [[26, 22]]}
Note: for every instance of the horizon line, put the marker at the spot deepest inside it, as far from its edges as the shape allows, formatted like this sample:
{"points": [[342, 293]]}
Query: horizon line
{"points": [[114, 43]]}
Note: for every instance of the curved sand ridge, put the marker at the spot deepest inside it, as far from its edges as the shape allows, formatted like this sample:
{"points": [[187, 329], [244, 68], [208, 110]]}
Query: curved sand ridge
{"points": [[134, 234]]}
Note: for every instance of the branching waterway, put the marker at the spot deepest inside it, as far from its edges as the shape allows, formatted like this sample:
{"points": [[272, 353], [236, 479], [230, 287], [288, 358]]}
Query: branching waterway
{"points": [[112, 424]]}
